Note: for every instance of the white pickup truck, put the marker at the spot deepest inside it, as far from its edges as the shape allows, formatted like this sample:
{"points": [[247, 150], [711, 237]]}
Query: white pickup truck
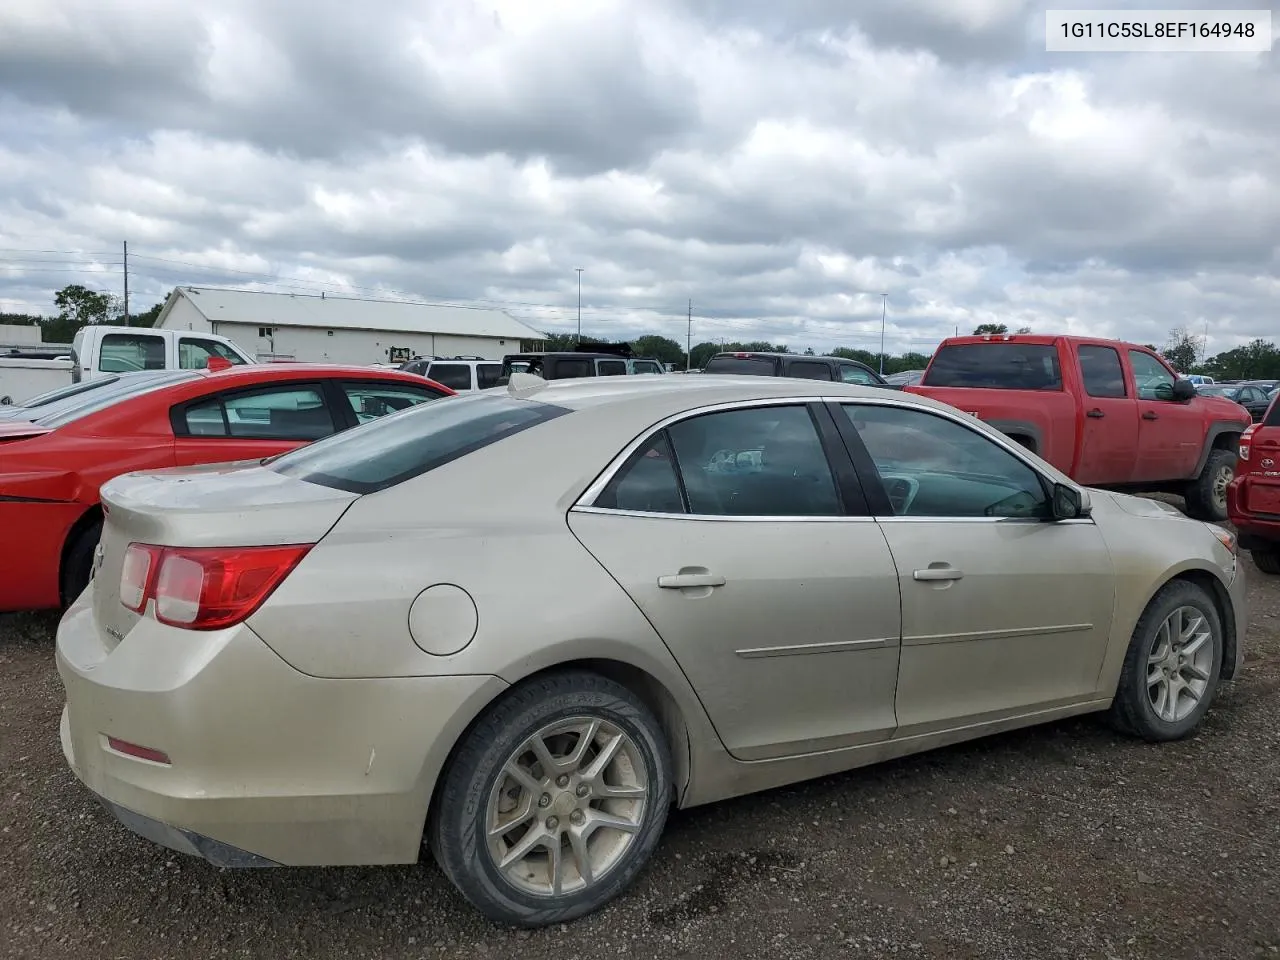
{"points": [[101, 349]]}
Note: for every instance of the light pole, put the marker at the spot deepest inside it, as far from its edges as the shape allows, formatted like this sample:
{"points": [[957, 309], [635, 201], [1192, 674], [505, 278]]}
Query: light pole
{"points": [[579, 269], [884, 306]]}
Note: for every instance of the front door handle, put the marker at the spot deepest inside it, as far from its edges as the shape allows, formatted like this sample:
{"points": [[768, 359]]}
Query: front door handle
{"points": [[1095, 413], [681, 581], [939, 573], [1151, 415]]}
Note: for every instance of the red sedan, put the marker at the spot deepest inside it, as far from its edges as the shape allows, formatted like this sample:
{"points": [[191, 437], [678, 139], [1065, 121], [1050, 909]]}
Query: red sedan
{"points": [[52, 467]]}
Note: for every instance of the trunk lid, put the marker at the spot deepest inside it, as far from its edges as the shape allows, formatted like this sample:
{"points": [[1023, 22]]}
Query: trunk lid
{"points": [[218, 505], [14, 428]]}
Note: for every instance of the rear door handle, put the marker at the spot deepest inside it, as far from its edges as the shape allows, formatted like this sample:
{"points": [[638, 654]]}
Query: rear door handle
{"points": [[679, 581], [1095, 413], [1151, 415], [939, 573]]}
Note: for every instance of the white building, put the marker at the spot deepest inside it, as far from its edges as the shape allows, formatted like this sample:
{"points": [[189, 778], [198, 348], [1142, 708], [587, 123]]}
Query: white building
{"points": [[318, 328]]}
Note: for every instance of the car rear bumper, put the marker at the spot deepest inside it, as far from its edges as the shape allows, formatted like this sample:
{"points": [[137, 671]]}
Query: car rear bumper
{"points": [[1255, 531], [267, 766]]}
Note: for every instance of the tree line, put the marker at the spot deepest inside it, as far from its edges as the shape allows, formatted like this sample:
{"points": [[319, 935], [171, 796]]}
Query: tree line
{"points": [[78, 306], [1259, 359]]}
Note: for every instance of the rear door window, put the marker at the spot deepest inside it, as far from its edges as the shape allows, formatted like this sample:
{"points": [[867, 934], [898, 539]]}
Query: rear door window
{"points": [[397, 448], [570, 368], [755, 461], [611, 368], [128, 352], [283, 412], [455, 376], [1101, 370], [809, 370], [487, 375]]}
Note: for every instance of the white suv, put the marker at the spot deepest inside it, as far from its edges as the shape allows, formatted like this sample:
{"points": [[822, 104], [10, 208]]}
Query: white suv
{"points": [[461, 374]]}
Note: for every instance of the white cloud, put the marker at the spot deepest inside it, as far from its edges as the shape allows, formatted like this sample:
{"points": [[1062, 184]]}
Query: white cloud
{"points": [[781, 165]]}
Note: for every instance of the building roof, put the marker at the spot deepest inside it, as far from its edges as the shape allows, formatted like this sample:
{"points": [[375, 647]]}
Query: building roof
{"points": [[268, 309]]}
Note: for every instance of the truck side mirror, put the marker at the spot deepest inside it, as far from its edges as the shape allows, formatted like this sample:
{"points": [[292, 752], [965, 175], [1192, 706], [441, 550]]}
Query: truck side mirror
{"points": [[1183, 390]]}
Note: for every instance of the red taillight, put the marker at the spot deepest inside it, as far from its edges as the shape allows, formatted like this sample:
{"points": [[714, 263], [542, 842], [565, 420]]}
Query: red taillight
{"points": [[137, 576], [1245, 440], [204, 588]]}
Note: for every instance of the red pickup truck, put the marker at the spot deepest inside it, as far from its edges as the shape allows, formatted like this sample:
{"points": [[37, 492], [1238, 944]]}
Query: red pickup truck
{"points": [[1106, 413]]}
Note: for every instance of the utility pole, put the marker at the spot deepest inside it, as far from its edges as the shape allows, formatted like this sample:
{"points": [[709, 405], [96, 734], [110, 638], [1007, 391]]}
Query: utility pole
{"points": [[579, 269], [126, 283], [688, 339], [884, 307]]}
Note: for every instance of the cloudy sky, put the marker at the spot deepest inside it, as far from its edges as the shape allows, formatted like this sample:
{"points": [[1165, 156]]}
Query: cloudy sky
{"points": [[780, 162]]}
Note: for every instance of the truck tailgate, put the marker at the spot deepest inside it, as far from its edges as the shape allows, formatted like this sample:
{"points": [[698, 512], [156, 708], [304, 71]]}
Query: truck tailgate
{"points": [[1047, 418]]}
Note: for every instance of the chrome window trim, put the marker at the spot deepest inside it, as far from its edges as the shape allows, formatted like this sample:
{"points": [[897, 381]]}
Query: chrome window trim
{"points": [[723, 517], [586, 501]]}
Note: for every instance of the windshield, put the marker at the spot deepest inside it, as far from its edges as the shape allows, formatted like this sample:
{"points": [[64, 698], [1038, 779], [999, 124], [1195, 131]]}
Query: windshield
{"points": [[1210, 390], [403, 445], [61, 412]]}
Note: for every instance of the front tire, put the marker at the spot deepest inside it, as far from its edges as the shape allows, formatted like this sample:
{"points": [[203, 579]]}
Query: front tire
{"points": [[553, 803], [1171, 670], [1206, 495]]}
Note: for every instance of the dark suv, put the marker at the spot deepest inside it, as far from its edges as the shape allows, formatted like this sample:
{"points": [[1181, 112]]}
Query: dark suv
{"points": [[802, 366]]}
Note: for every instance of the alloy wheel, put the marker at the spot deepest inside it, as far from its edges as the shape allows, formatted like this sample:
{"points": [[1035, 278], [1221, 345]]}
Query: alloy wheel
{"points": [[1180, 664], [566, 806]]}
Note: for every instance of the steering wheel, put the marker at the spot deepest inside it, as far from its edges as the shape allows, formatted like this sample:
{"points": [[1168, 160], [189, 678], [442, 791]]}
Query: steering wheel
{"points": [[901, 491], [723, 461]]}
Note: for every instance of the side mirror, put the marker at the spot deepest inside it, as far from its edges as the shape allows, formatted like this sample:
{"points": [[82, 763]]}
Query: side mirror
{"points": [[1183, 390], [1069, 503]]}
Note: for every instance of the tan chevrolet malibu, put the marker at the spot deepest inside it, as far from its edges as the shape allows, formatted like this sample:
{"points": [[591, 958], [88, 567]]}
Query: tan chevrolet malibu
{"points": [[515, 627]]}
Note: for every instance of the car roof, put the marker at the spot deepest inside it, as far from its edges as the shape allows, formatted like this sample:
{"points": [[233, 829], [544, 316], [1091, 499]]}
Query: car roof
{"points": [[801, 356], [289, 370], [677, 393]]}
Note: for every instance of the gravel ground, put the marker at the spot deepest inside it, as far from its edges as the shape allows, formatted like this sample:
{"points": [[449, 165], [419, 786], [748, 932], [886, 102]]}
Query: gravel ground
{"points": [[1063, 841]]}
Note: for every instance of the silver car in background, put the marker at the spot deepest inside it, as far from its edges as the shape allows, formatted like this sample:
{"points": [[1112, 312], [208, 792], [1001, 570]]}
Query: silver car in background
{"points": [[517, 628]]}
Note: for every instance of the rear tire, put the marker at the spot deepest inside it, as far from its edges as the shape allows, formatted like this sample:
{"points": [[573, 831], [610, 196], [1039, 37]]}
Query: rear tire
{"points": [[77, 569], [1268, 561], [514, 843], [1206, 495], [1171, 670]]}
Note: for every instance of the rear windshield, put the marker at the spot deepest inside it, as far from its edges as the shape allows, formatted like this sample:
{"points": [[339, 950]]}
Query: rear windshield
{"points": [[752, 366], [995, 366], [125, 387], [76, 388], [403, 445]]}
